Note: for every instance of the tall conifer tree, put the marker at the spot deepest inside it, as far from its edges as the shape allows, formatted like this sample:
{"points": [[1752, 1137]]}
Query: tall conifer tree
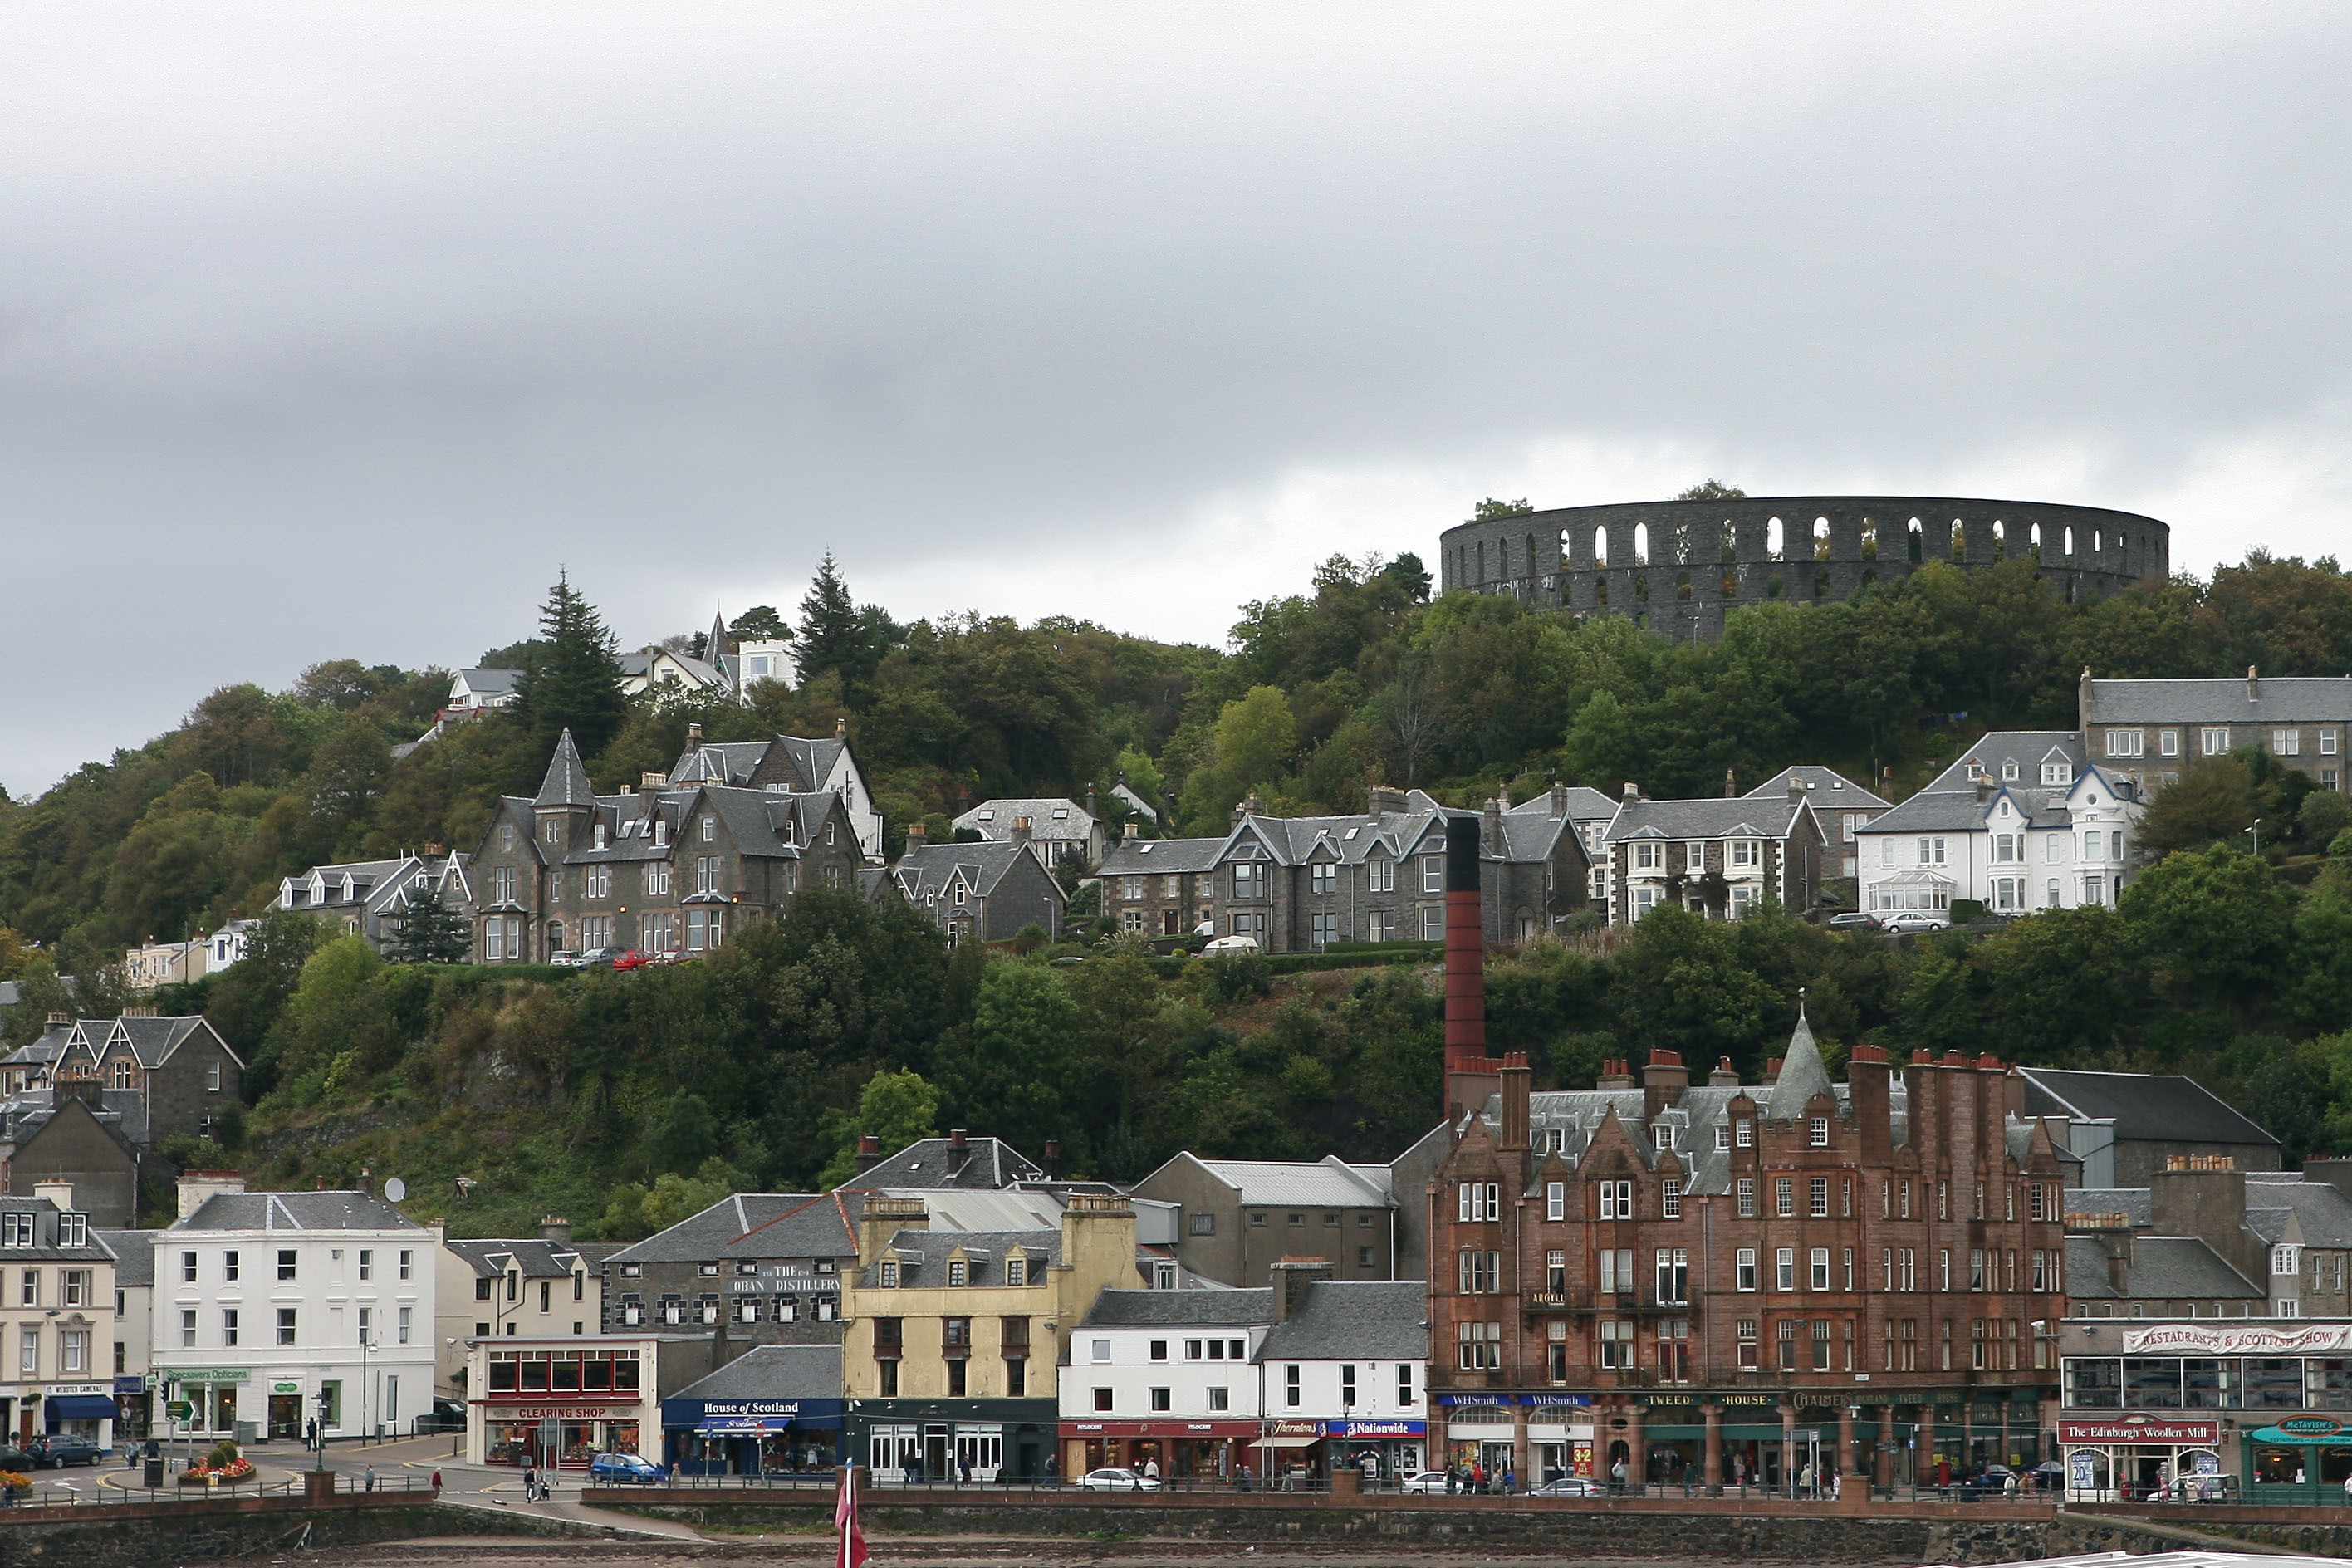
{"points": [[575, 680]]}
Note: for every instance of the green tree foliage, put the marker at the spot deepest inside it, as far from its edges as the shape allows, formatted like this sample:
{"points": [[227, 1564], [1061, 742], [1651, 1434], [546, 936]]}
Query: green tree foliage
{"points": [[573, 680], [1713, 490], [1490, 509], [895, 1109], [760, 623], [432, 929]]}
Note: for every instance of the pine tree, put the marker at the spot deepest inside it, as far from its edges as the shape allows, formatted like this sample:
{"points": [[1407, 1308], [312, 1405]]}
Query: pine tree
{"points": [[575, 683], [837, 636], [431, 929]]}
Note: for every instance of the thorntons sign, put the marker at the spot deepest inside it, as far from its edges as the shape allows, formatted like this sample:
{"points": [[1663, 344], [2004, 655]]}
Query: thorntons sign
{"points": [[2197, 1339]]}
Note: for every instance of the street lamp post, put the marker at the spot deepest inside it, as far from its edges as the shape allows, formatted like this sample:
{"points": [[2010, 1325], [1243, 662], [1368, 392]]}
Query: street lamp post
{"points": [[2256, 832]]}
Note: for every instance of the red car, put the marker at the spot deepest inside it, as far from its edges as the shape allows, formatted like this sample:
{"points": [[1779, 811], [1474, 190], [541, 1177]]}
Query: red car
{"points": [[632, 959]]}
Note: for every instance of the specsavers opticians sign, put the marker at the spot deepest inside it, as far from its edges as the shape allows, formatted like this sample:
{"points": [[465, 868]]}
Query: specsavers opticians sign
{"points": [[2199, 1339], [205, 1374]]}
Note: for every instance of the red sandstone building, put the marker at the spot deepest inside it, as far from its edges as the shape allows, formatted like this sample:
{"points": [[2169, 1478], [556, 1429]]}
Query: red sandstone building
{"points": [[1727, 1281]]}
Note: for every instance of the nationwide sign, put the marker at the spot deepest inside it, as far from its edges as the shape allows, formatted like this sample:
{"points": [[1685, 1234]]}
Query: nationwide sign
{"points": [[2217, 1339], [2136, 1431]]}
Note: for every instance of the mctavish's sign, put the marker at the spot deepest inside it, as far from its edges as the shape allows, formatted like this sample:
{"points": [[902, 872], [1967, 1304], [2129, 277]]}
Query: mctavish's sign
{"points": [[2201, 1338]]}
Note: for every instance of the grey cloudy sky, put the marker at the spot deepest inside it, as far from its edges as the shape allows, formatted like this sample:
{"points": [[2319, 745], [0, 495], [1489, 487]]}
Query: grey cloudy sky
{"points": [[332, 330]]}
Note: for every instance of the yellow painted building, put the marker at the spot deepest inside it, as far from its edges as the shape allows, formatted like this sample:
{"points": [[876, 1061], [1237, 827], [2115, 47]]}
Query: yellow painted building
{"points": [[955, 1337]]}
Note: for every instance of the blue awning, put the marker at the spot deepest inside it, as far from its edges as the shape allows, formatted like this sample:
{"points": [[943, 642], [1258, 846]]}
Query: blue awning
{"points": [[81, 1407]]}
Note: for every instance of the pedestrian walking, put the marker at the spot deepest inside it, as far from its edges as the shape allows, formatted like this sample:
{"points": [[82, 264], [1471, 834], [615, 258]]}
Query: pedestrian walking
{"points": [[437, 1480], [370, 1477], [530, 1484]]}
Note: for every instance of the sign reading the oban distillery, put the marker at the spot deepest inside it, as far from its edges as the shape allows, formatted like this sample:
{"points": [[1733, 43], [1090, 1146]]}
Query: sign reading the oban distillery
{"points": [[2217, 1339]]}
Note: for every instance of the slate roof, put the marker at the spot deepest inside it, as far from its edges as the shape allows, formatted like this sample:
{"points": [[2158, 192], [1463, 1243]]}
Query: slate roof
{"points": [[809, 761], [1741, 817], [1180, 1310], [1583, 804], [1360, 1319], [154, 1040], [487, 682], [773, 1372], [989, 1163], [2162, 1268], [134, 1256], [45, 1231], [1935, 811], [1345, 840], [2026, 748], [752, 1226], [2284, 700], [992, 819], [1804, 1076], [2166, 1107], [1828, 789], [2322, 1211], [297, 1212], [930, 869], [566, 783], [532, 1256], [923, 1255], [1145, 856], [1328, 1183]]}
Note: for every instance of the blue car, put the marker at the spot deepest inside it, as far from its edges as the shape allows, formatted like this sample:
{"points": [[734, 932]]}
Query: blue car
{"points": [[617, 1469]]}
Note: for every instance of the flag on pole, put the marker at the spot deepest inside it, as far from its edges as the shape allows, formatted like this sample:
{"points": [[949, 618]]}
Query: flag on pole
{"points": [[853, 1552]]}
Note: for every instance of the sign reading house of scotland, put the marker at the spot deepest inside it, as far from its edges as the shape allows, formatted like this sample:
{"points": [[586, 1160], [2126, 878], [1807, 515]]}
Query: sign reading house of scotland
{"points": [[2319, 1339]]}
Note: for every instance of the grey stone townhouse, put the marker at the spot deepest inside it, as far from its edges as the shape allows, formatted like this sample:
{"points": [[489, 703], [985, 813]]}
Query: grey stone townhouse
{"points": [[2150, 730], [985, 891], [664, 869], [1717, 857]]}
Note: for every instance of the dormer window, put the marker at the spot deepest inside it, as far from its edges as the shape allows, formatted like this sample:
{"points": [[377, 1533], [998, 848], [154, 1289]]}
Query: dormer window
{"points": [[2009, 768], [2057, 772], [1663, 1134], [958, 1273], [120, 1075], [890, 1274], [506, 837], [661, 831], [600, 836]]}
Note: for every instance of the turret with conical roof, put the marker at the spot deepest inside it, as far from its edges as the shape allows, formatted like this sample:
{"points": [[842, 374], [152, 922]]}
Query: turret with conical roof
{"points": [[1803, 1074], [565, 802]]}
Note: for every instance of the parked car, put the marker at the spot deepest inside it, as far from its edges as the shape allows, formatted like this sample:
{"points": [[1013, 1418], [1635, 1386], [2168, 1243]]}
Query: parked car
{"points": [[568, 959], [625, 1470], [1902, 921], [1116, 1480], [1228, 946], [56, 1453], [14, 1458], [1566, 1485], [1427, 1481], [602, 957], [632, 959], [1855, 920]]}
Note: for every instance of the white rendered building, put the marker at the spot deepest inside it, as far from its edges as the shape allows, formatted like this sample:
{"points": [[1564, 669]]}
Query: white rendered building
{"points": [[273, 1310]]}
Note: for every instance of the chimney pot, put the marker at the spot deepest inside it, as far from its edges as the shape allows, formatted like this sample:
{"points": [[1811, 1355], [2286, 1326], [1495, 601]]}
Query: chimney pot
{"points": [[2253, 684], [1053, 1159], [1730, 785], [694, 734], [1558, 800], [1383, 799], [1021, 830], [1633, 792], [555, 1229], [840, 728], [918, 835]]}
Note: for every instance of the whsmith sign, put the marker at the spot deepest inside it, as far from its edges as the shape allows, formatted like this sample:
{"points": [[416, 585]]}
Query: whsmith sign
{"points": [[2199, 1339]]}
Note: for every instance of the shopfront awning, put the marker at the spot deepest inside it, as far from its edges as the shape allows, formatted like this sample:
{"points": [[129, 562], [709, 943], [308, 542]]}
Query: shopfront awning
{"points": [[1287, 1442], [744, 1425], [81, 1407]]}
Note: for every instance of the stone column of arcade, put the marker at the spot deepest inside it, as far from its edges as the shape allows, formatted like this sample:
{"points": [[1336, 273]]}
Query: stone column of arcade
{"points": [[1711, 1471], [1637, 1449], [1846, 1465], [1521, 1451], [1882, 1473], [1789, 1461]]}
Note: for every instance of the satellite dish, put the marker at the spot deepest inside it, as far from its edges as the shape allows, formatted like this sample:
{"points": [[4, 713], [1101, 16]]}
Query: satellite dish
{"points": [[395, 1189]]}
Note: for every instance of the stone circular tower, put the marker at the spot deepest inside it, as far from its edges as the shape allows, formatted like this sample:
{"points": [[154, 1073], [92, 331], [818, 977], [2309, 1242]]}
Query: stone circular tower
{"points": [[1677, 566]]}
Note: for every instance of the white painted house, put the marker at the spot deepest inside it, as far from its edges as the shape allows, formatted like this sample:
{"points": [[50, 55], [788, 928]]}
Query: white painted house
{"points": [[2022, 821], [273, 1309]]}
